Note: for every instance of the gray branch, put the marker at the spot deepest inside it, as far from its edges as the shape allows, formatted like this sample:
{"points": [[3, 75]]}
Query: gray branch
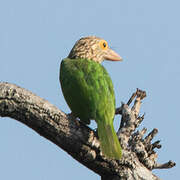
{"points": [[81, 142]]}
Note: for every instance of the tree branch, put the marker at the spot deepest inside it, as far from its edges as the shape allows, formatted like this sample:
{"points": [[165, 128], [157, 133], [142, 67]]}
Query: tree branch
{"points": [[79, 140]]}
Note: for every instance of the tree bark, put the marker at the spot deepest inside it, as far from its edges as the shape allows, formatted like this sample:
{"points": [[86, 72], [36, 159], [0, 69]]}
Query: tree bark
{"points": [[81, 142]]}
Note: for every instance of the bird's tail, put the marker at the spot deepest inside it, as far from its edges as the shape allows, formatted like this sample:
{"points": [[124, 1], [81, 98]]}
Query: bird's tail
{"points": [[109, 142]]}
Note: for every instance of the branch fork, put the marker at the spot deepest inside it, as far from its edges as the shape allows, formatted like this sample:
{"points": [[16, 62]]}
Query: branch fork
{"points": [[133, 140]]}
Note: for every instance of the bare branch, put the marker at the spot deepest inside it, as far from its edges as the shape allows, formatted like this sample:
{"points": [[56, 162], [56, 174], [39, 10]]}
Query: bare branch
{"points": [[80, 141]]}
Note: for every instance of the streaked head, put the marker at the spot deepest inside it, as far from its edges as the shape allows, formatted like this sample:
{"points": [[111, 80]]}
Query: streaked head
{"points": [[93, 48]]}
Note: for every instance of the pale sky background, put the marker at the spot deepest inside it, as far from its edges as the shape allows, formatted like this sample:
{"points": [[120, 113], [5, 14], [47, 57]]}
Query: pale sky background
{"points": [[35, 35]]}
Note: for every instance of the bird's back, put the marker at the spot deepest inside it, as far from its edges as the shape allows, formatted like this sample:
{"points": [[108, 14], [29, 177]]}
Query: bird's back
{"points": [[88, 89]]}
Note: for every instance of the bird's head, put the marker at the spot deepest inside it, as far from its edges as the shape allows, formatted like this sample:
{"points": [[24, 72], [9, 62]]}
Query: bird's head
{"points": [[93, 48]]}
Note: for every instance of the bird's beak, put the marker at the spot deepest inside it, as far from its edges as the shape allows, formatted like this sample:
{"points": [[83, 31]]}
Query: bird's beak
{"points": [[112, 56]]}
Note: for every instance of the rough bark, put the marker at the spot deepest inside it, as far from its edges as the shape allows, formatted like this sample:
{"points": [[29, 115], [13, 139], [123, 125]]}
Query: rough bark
{"points": [[81, 142]]}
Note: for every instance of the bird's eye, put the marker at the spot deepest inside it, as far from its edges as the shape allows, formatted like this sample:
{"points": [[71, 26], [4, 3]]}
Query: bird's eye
{"points": [[103, 44]]}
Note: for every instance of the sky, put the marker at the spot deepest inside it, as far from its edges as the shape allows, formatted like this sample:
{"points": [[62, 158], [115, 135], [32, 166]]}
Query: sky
{"points": [[36, 35]]}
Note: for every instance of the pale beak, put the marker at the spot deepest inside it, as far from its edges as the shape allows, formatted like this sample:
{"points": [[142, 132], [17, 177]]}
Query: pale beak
{"points": [[112, 55]]}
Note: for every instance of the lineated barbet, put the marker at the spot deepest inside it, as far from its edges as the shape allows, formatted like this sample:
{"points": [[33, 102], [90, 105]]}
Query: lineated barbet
{"points": [[88, 89]]}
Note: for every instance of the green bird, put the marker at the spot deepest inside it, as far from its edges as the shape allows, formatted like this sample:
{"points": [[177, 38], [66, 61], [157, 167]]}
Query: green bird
{"points": [[88, 89]]}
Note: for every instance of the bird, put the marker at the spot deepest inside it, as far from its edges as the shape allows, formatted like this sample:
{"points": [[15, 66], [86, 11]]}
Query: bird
{"points": [[88, 89]]}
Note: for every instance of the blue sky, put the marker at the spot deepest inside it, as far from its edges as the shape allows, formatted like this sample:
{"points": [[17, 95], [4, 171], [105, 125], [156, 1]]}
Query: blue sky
{"points": [[35, 35]]}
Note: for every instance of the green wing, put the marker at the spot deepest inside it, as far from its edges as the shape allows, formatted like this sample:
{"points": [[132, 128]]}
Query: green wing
{"points": [[88, 89], [89, 92]]}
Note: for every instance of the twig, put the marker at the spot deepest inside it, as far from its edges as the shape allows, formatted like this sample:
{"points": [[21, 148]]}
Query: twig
{"points": [[167, 165]]}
